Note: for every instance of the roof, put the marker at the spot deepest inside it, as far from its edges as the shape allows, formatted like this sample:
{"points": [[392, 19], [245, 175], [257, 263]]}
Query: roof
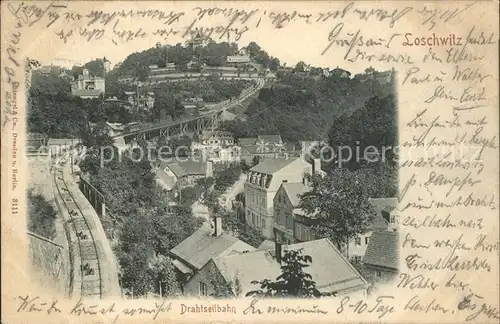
{"points": [[329, 269], [270, 166], [221, 134], [260, 149], [165, 180], [247, 141], [184, 168], [293, 190], [266, 245], [382, 250], [270, 138], [378, 223], [201, 247]]}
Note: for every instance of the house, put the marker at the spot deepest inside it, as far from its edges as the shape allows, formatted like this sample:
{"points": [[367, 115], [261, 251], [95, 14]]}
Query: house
{"points": [[388, 209], [118, 103], [329, 269], [192, 254], [286, 200], [197, 39], [382, 256], [217, 146], [87, 86], [263, 146], [215, 139], [371, 74], [238, 59], [293, 225], [339, 73], [263, 181], [270, 140], [357, 246], [169, 67], [184, 173], [141, 101]]}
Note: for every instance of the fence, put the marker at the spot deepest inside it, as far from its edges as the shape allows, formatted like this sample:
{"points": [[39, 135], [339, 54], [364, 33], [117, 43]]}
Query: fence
{"points": [[98, 202]]}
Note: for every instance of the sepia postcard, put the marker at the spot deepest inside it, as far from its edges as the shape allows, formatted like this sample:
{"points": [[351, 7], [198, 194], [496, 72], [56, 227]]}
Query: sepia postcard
{"points": [[250, 162]]}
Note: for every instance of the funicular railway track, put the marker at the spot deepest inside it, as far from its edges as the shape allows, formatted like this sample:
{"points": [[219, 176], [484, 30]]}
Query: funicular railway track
{"points": [[87, 278]]}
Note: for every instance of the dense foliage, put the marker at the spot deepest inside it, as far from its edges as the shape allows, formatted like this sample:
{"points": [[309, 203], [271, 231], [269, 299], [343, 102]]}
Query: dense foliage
{"points": [[52, 109], [41, 216], [306, 109], [293, 282], [213, 54], [371, 129], [146, 227], [339, 203]]}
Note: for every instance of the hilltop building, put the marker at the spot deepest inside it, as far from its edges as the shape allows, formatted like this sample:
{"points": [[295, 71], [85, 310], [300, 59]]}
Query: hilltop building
{"points": [[88, 86]]}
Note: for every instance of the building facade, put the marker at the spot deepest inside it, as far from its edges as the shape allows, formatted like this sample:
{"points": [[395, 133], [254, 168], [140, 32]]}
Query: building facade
{"points": [[217, 146], [88, 86], [263, 181], [184, 173]]}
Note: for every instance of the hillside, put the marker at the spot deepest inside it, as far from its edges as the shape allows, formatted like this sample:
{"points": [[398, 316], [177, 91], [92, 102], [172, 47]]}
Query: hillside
{"points": [[304, 108]]}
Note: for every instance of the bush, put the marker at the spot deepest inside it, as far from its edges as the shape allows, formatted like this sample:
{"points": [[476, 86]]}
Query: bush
{"points": [[41, 216]]}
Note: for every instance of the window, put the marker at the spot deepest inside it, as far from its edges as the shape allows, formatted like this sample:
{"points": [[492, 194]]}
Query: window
{"points": [[356, 259], [394, 219], [357, 240], [263, 201], [378, 273], [263, 223], [203, 289], [367, 239], [307, 234], [299, 234]]}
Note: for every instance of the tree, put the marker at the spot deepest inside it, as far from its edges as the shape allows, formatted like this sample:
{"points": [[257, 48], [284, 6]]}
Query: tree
{"points": [[41, 216], [162, 272], [372, 128], [300, 66], [339, 204], [293, 282]]}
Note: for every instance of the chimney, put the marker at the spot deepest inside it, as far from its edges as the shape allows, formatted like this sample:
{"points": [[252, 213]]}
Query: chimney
{"points": [[277, 251], [208, 169], [316, 166], [218, 226]]}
